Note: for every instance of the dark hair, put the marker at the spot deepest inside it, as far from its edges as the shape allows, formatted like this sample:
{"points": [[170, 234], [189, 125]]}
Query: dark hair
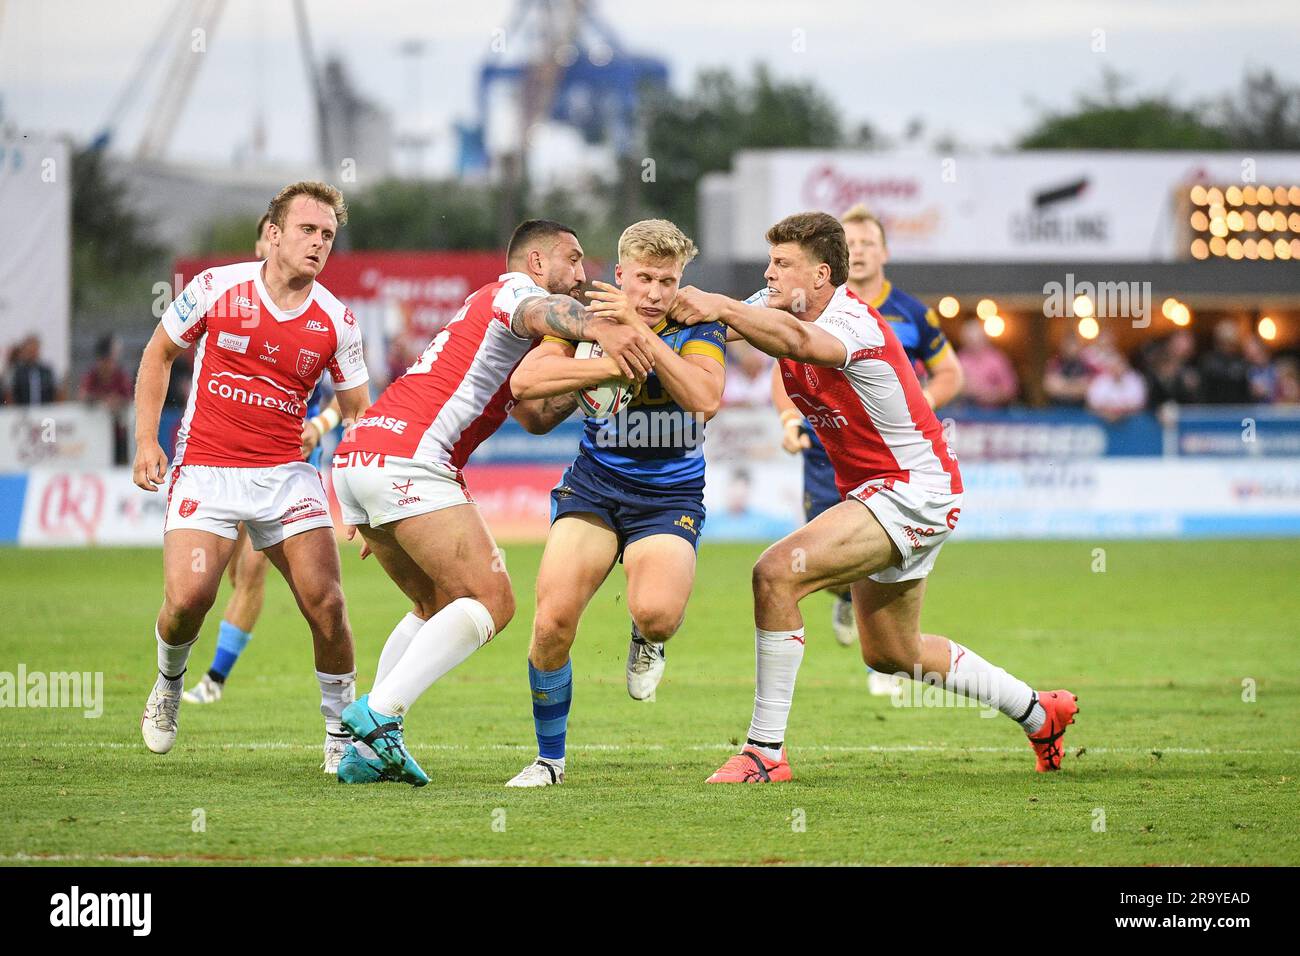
{"points": [[530, 231], [104, 345], [819, 235], [261, 224]]}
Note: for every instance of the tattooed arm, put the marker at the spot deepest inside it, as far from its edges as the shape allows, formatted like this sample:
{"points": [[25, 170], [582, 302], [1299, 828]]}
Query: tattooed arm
{"points": [[540, 415], [565, 317]]}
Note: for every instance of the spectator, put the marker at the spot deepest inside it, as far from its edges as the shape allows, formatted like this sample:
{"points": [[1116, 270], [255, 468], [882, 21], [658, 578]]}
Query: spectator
{"points": [[1117, 391], [107, 383], [749, 377], [1260, 374], [1225, 373], [990, 378], [1067, 376], [1170, 375], [1288, 381], [31, 381]]}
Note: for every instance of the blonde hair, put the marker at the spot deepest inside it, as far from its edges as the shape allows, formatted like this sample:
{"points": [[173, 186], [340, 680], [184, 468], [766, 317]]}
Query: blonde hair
{"points": [[861, 213], [321, 192], [656, 240]]}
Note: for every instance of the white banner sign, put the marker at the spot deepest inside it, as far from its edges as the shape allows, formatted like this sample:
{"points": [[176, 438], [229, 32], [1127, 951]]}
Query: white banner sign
{"points": [[67, 435], [73, 507], [1047, 206]]}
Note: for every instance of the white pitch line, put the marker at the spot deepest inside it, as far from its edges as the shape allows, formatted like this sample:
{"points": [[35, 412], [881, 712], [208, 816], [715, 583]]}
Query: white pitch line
{"points": [[709, 748]]}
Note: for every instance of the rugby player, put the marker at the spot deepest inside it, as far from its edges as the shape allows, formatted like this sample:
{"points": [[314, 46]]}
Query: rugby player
{"points": [[846, 371], [635, 491]]}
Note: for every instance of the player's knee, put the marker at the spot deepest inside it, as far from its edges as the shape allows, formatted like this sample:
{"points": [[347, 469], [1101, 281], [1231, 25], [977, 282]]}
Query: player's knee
{"points": [[499, 598], [328, 608], [657, 624], [189, 603], [554, 628], [772, 574]]}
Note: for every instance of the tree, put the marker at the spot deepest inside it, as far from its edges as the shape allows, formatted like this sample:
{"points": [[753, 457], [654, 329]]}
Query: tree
{"points": [[688, 136], [111, 244], [401, 214], [1112, 121], [1265, 116]]}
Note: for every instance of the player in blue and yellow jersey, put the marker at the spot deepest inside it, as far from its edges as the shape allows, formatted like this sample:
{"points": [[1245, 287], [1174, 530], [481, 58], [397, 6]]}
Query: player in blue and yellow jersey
{"points": [[917, 327], [636, 489]]}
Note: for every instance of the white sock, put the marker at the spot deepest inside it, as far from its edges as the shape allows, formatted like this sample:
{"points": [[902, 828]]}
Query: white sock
{"points": [[172, 658], [556, 762], [397, 643], [442, 642], [777, 654], [972, 676], [394, 648], [336, 692]]}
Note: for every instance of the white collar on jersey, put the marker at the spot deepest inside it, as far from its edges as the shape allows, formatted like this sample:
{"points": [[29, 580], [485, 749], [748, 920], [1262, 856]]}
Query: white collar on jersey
{"points": [[506, 276], [276, 313]]}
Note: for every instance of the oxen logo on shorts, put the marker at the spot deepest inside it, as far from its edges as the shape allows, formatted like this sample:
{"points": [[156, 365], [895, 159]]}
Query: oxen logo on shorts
{"points": [[403, 489], [307, 362], [188, 507]]}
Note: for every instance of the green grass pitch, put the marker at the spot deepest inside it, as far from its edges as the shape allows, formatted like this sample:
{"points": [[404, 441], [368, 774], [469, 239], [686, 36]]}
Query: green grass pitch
{"points": [[1168, 764]]}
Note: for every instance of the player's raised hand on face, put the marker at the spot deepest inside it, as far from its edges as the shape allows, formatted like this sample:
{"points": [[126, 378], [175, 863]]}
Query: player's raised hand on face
{"points": [[610, 302], [150, 466], [627, 345]]}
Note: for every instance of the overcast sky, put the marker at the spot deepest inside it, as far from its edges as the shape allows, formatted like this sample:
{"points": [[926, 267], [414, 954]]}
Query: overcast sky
{"points": [[977, 70]]}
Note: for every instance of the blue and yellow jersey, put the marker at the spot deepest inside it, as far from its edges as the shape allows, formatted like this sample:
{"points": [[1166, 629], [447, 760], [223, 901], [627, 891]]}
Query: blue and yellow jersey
{"points": [[915, 324], [654, 442]]}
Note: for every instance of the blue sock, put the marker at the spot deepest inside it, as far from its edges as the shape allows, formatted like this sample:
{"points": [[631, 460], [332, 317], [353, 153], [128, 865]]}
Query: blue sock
{"points": [[552, 694], [231, 642]]}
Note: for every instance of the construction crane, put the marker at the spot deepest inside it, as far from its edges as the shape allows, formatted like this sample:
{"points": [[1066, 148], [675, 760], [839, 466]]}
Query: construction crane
{"points": [[574, 71]]}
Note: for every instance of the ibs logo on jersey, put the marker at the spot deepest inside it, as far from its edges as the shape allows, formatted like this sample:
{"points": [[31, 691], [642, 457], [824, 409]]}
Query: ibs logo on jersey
{"points": [[307, 362]]}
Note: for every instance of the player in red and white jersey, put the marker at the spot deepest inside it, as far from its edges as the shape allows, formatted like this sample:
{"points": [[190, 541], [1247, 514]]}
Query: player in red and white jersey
{"points": [[398, 480], [263, 333], [846, 370]]}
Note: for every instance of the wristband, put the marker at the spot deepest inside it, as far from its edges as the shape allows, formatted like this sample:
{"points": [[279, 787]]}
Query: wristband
{"points": [[791, 416], [330, 418]]}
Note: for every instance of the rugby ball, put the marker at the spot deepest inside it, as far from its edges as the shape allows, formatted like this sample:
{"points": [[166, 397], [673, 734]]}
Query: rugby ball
{"points": [[606, 399]]}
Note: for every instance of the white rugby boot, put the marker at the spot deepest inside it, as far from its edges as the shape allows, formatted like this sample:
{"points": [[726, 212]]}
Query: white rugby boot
{"points": [[159, 723]]}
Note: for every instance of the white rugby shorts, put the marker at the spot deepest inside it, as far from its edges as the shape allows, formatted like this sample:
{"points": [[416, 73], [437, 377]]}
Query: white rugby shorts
{"points": [[917, 520], [375, 489], [273, 503]]}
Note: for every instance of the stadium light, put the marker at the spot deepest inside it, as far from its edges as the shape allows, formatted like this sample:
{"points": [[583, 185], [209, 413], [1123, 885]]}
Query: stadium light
{"points": [[949, 307], [1200, 249], [1083, 307], [1267, 329], [986, 308], [1197, 195], [1182, 315], [1088, 328], [994, 326], [1167, 307]]}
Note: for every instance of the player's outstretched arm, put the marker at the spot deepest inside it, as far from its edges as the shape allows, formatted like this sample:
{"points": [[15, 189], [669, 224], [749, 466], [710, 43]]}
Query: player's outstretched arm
{"points": [[565, 318], [550, 370], [774, 331], [150, 389]]}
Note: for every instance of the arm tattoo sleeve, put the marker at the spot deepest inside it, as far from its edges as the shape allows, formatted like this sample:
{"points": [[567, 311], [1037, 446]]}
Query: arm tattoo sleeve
{"points": [[553, 315]]}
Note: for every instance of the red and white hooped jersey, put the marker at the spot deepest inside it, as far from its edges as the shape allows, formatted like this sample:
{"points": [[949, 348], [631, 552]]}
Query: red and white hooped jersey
{"points": [[870, 414], [255, 366], [458, 392]]}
